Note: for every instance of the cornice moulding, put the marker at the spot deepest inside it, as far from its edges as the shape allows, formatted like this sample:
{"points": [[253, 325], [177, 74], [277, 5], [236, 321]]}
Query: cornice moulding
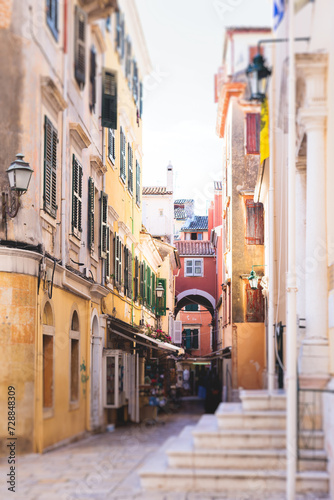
{"points": [[97, 164], [52, 94], [79, 136]]}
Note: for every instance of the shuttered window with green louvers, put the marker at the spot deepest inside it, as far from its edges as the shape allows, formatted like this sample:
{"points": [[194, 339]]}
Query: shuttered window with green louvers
{"points": [[76, 198], [109, 99], [107, 259], [136, 280], [92, 80], [161, 302], [103, 224], [126, 270], [123, 155], [50, 168], [138, 190], [140, 99], [52, 16], [80, 46], [149, 287], [116, 255], [135, 82], [128, 51], [142, 282], [91, 213], [129, 289], [111, 146], [153, 293], [130, 169]]}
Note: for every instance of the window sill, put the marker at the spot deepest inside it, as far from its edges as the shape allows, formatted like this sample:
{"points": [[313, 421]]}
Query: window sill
{"points": [[73, 239], [48, 413], [48, 218]]}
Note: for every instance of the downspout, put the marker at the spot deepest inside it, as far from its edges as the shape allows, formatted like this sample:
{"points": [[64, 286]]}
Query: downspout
{"points": [[63, 152], [104, 176], [291, 350]]}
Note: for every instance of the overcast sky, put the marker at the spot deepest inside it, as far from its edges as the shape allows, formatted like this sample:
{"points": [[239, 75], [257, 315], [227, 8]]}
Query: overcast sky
{"points": [[184, 40]]}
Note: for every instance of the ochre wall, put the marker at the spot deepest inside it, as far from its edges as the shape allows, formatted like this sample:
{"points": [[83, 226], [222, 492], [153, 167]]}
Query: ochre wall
{"points": [[250, 354]]}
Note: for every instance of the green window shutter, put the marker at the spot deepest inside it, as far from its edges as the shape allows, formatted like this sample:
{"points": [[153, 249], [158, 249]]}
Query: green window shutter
{"points": [[123, 155], [116, 254], [129, 274], [153, 292], [107, 260], [138, 190], [144, 284], [103, 224], [135, 82], [136, 279], [161, 303], [128, 60], [148, 285], [126, 270], [109, 98], [120, 264], [92, 80], [188, 338], [80, 46], [76, 198], [130, 169], [111, 145], [52, 16], [141, 99], [50, 168], [191, 307], [195, 339], [91, 211]]}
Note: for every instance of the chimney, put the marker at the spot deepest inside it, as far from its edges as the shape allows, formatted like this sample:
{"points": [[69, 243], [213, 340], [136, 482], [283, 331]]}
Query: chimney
{"points": [[170, 177]]}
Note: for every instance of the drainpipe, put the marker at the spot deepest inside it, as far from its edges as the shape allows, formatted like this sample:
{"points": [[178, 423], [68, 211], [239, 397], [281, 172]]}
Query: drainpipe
{"points": [[63, 151], [291, 350]]}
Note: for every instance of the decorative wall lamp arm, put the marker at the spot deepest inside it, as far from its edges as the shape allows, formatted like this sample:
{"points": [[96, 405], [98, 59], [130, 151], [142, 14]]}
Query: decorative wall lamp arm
{"points": [[254, 278], [19, 174]]}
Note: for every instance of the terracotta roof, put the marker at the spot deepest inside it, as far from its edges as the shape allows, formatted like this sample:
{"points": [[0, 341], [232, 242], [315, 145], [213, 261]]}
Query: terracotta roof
{"points": [[218, 185], [199, 222], [156, 190], [196, 247], [183, 200], [180, 214]]}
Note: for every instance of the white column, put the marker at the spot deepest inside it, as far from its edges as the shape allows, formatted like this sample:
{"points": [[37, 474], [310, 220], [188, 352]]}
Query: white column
{"points": [[314, 361]]}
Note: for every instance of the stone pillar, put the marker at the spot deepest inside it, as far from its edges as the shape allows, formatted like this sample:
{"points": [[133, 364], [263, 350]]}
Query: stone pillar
{"points": [[314, 366]]}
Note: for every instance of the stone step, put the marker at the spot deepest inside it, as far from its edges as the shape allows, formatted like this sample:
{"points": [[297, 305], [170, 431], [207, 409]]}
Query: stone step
{"points": [[214, 438], [262, 400], [232, 416], [257, 484]]}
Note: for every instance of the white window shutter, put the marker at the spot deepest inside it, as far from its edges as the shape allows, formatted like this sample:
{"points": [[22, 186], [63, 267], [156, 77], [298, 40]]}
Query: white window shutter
{"points": [[171, 328], [177, 332]]}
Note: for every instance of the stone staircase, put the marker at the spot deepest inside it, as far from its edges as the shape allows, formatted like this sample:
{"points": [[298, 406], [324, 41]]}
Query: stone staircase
{"points": [[239, 449]]}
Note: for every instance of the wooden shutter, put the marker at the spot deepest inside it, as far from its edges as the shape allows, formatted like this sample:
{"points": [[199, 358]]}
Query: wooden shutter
{"points": [[161, 303], [138, 192], [128, 60], [123, 154], [116, 254], [153, 292], [91, 212], [129, 274], [254, 223], [111, 145], [135, 82], [140, 99], [120, 263], [136, 279], [107, 260], [92, 80], [130, 169], [195, 339], [103, 224], [178, 332], [253, 133], [76, 198], [254, 305], [142, 282], [188, 338], [148, 285], [126, 270], [109, 99], [80, 46], [50, 168]]}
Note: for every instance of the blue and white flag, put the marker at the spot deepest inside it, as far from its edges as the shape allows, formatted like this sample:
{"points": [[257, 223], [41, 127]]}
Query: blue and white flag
{"points": [[279, 7]]}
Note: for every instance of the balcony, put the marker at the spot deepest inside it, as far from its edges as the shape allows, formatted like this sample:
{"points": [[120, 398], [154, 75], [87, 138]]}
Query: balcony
{"points": [[98, 9]]}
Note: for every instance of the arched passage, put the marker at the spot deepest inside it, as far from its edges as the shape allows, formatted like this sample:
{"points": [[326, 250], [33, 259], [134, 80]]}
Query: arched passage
{"points": [[198, 296]]}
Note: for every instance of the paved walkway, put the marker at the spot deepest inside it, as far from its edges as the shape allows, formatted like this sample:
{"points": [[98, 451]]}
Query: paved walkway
{"points": [[104, 466]]}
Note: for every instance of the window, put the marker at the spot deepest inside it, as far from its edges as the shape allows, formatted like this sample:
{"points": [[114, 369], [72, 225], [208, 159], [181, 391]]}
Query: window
{"points": [[130, 169], [128, 60], [92, 80], [127, 272], [91, 212], [50, 168], [254, 305], [104, 224], [135, 82], [193, 267], [193, 236], [109, 99], [122, 149], [190, 338], [137, 183], [200, 236], [111, 146], [107, 259], [74, 358], [118, 250], [76, 198], [80, 46], [253, 133], [136, 279], [48, 358], [161, 302], [140, 100], [120, 34], [52, 16], [254, 223], [191, 307]]}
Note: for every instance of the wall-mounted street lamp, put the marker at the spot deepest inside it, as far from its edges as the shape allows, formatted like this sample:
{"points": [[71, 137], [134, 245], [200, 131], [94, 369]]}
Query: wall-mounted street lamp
{"points": [[253, 278], [160, 291], [258, 76], [19, 175]]}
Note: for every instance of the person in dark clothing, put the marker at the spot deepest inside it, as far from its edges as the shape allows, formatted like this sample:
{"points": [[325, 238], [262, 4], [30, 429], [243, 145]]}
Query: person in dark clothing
{"points": [[213, 392]]}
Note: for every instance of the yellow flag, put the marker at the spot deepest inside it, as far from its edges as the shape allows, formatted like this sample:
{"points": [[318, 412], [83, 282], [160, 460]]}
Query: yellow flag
{"points": [[264, 131]]}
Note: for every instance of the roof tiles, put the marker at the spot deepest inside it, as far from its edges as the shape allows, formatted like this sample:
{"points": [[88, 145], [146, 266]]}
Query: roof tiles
{"points": [[199, 222], [196, 247]]}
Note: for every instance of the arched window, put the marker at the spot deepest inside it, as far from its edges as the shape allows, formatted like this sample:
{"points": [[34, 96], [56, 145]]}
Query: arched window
{"points": [[48, 359], [74, 358]]}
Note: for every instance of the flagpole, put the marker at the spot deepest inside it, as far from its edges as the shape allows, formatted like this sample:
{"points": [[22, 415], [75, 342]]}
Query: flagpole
{"points": [[291, 350]]}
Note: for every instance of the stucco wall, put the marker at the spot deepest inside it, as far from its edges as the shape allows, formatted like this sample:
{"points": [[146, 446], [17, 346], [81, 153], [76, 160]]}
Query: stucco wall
{"points": [[250, 355]]}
